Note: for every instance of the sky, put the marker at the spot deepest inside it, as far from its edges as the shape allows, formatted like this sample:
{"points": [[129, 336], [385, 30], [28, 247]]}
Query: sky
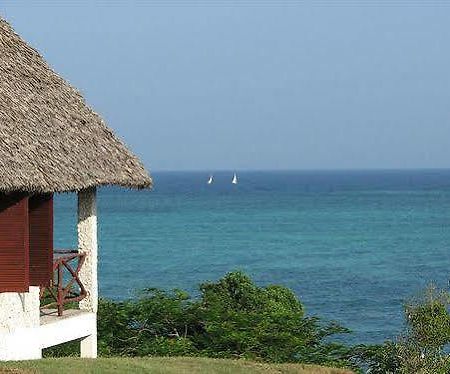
{"points": [[257, 84]]}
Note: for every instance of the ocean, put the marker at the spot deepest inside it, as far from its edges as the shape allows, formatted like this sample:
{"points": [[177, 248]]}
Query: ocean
{"points": [[353, 245]]}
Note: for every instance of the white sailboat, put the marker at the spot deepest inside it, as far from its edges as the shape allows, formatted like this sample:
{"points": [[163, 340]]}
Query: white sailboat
{"points": [[235, 179], [211, 179]]}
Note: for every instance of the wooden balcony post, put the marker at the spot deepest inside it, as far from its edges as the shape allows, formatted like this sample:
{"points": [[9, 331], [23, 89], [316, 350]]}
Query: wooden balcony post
{"points": [[87, 243]]}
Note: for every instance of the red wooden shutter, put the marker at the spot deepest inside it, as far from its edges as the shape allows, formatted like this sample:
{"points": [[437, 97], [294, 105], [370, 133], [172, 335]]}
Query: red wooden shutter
{"points": [[41, 239], [14, 260]]}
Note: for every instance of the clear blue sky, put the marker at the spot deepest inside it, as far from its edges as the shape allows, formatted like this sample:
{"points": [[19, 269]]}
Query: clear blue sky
{"points": [[256, 85]]}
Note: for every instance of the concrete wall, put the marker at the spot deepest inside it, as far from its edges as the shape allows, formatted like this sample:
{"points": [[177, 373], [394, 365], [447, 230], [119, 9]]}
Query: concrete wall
{"points": [[19, 310], [27, 343], [81, 325], [19, 321]]}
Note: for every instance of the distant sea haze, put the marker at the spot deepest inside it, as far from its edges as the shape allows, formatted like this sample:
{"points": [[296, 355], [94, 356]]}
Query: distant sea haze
{"points": [[353, 245]]}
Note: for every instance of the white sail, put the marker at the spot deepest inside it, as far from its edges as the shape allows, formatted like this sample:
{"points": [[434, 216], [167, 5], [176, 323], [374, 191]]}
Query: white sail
{"points": [[235, 180], [211, 179]]}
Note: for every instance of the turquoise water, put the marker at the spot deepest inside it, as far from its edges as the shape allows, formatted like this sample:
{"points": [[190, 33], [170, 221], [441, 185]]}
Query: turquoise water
{"points": [[352, 245]]}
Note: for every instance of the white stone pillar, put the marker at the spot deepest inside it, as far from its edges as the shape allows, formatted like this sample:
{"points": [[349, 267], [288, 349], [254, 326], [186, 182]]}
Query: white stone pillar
{"points": [[87, 243]]}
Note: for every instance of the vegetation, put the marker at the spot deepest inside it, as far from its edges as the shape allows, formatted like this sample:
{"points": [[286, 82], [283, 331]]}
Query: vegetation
{"points": [[421, 347], [232, 318], [157, 365]]}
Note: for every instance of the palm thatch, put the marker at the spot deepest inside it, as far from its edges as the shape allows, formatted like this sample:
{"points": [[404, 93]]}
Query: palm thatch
{"points": [[50, 140]]}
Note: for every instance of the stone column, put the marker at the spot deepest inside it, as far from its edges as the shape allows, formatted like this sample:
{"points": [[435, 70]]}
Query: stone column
{"points": [[87, 243]]}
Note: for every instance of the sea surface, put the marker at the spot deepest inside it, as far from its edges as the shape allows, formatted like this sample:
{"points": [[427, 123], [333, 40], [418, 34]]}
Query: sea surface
{"points": [[353, 245]]}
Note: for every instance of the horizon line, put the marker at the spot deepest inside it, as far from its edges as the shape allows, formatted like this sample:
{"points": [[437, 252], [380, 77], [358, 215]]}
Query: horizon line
{"points": [[297, 170]]}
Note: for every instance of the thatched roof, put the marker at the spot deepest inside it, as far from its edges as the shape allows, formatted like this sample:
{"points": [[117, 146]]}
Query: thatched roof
{"points": [[50, 140]]}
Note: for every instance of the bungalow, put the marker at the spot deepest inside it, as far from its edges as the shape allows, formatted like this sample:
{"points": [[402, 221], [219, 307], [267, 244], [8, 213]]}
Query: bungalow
{"points": [[50, 142]]}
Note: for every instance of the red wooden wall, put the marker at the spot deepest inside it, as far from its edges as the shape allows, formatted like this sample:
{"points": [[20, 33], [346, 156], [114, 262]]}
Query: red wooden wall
{"points": [[41, 239], [14, 248], [26, 241]]}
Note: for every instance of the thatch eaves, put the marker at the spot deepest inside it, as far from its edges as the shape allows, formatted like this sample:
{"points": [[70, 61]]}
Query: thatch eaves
{"points": [[50, 140]]}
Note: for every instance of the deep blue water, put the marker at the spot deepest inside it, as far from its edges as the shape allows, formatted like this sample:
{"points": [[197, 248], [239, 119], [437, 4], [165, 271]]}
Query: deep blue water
{"points": [[353, 245]]}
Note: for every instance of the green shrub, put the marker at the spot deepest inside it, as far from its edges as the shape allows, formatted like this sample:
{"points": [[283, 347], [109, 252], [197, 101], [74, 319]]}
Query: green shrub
{"points": [[428, 319], [232, 318], [241, 319], [421, 347]]}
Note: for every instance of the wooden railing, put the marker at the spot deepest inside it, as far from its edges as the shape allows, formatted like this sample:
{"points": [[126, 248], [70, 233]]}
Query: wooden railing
{"points": [[66, 286]]}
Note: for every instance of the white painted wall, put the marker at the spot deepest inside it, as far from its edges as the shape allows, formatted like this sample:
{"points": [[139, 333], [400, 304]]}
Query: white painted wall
{"points": [[27, 343], [19, 320], [61, 330], [19, 310], [20, 344]]}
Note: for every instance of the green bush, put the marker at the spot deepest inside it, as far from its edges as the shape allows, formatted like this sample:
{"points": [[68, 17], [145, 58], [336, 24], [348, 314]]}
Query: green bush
{"points": [[240, 319], [428, 319], [231, 318], [421, 347], [235, 318]]}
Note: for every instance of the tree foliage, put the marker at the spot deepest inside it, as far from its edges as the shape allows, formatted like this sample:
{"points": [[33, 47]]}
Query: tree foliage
{"points": [[421, 349], [231, 318]]}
